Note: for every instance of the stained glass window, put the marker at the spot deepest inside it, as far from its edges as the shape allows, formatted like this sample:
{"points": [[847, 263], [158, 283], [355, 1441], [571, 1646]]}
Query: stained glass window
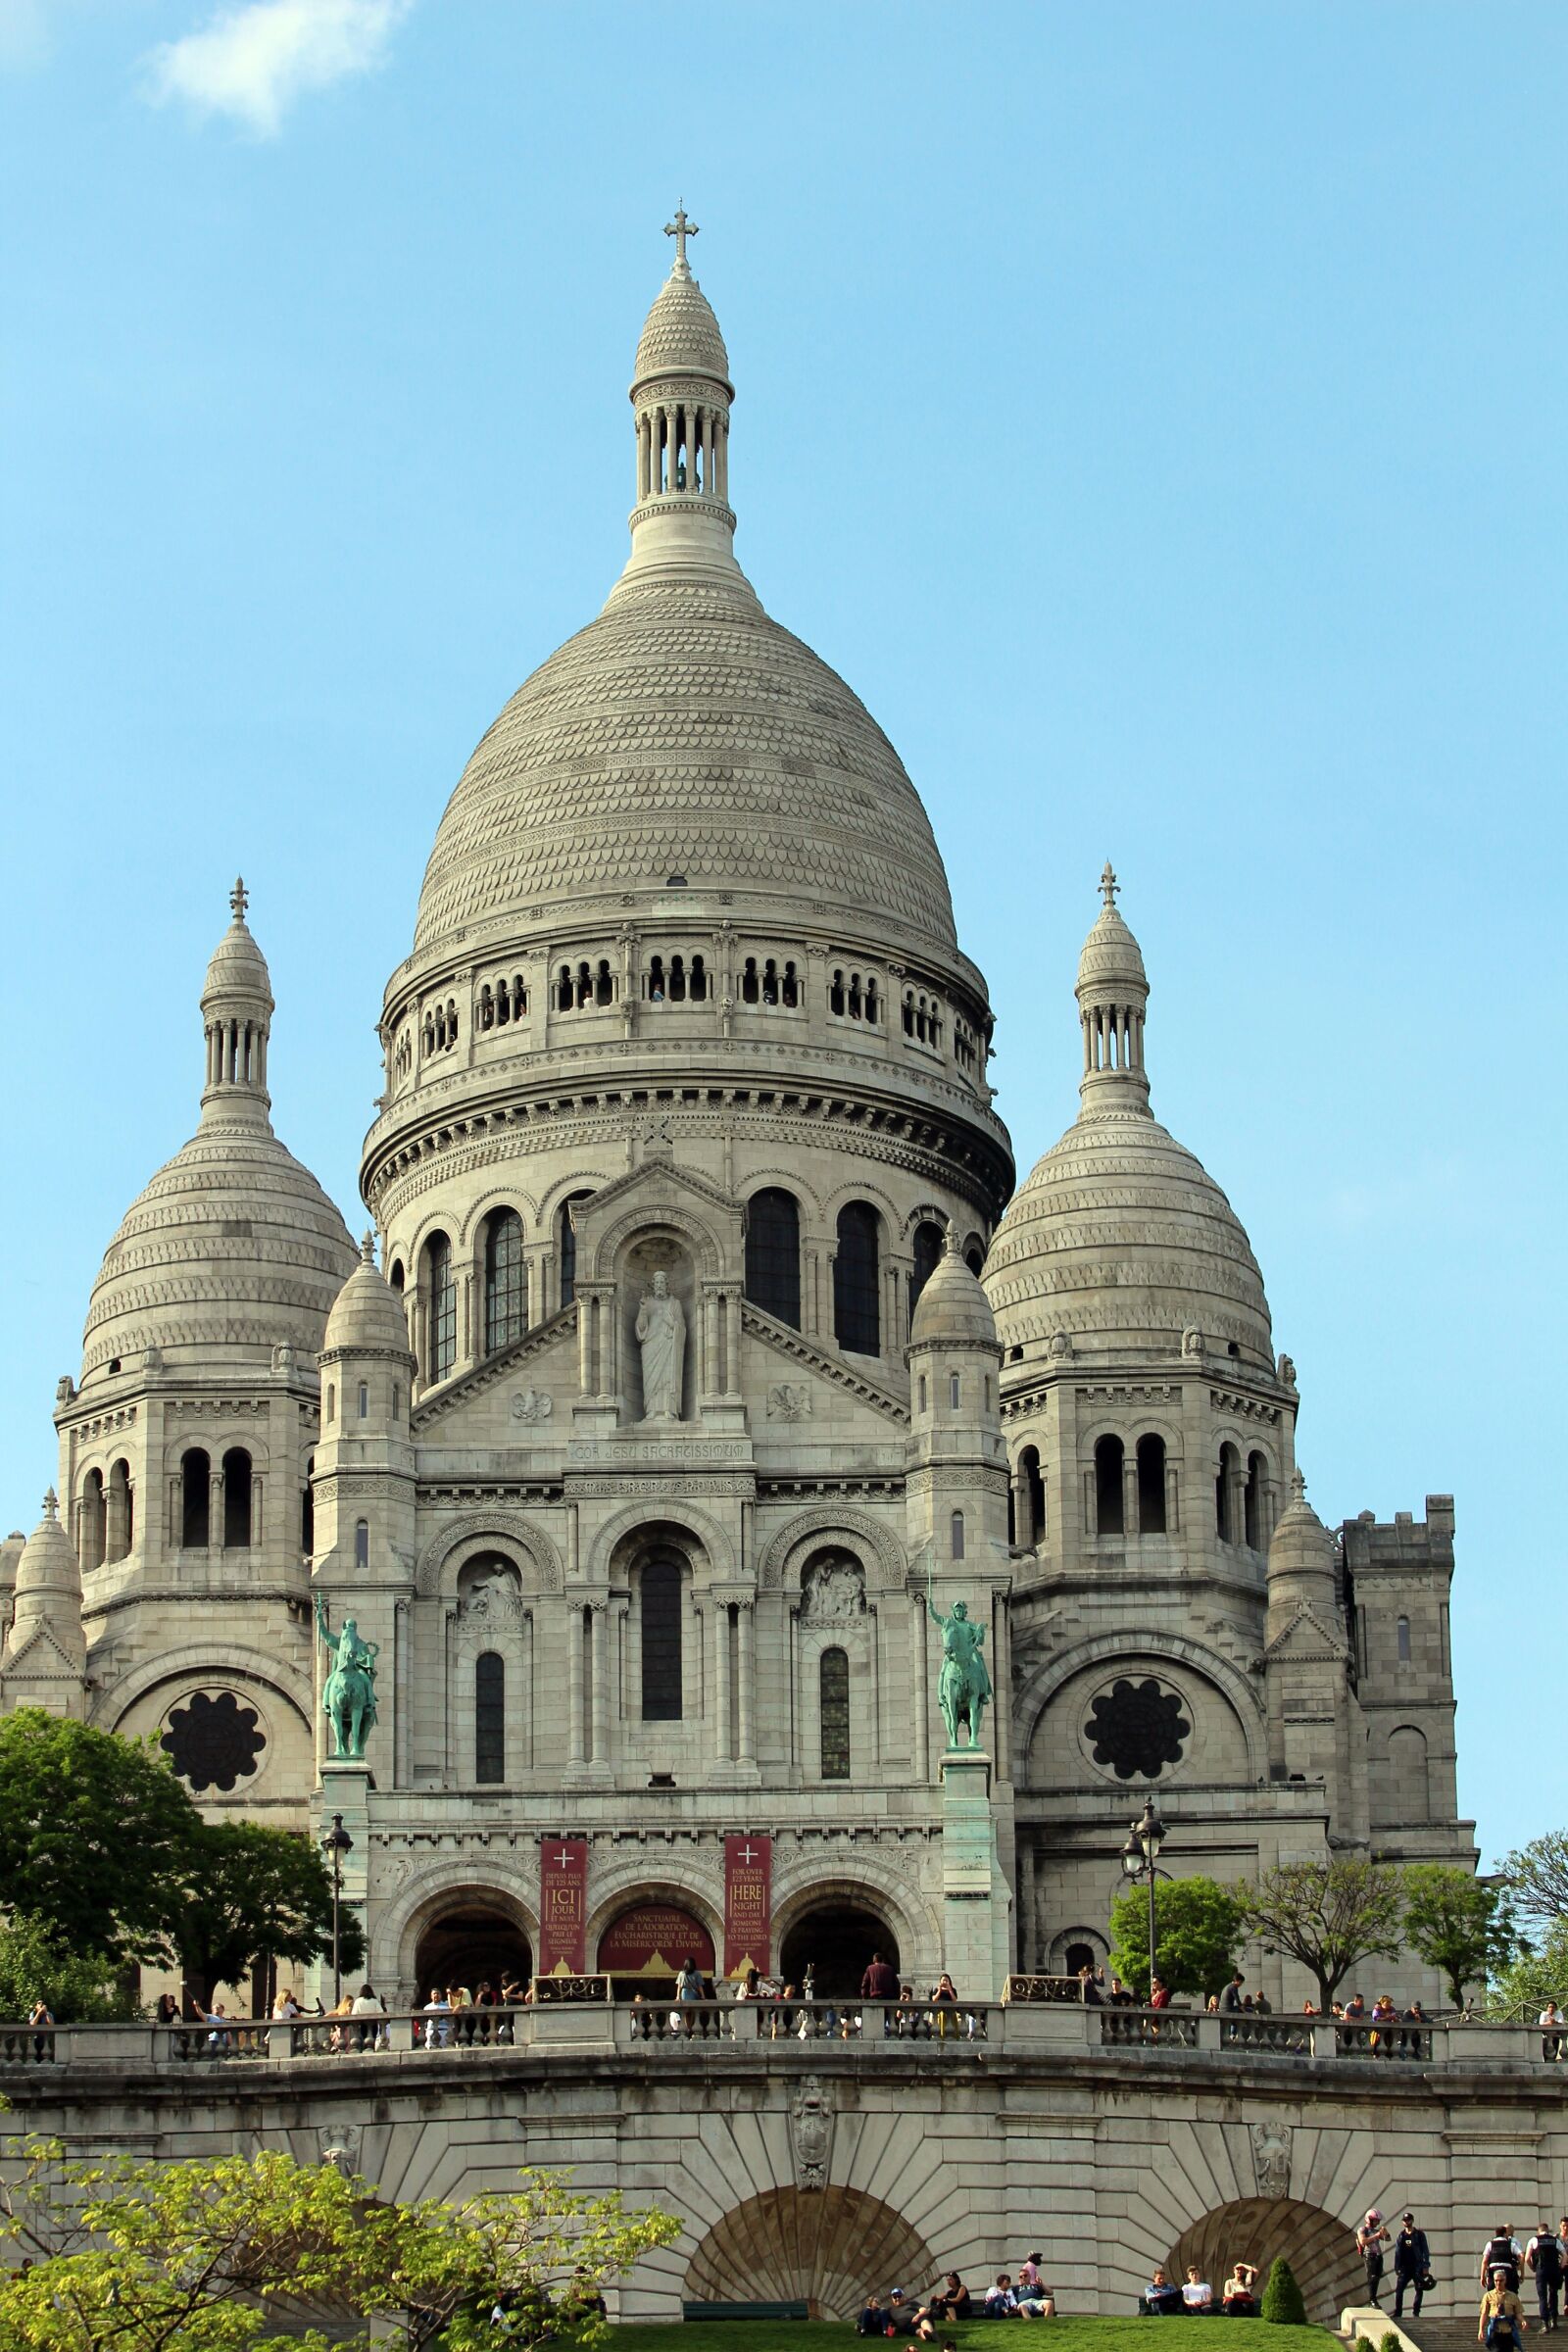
{"points": [[834, 1675]]}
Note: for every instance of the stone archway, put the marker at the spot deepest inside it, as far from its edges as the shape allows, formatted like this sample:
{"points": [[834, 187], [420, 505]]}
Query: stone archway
{"points": [[1320, 2250], [837, 1938], [472, 1940], [818, 2246]]}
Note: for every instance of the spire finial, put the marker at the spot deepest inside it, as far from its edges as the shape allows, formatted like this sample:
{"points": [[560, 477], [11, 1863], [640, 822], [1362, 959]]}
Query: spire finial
{"points": [[1109, 884], [1297, 1486], [680, 228], [368, 1249], [239, 897], [51, 1505]]}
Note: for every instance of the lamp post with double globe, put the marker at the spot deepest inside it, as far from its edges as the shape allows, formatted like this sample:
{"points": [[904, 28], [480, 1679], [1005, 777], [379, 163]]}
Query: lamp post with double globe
{"points": [[1139, 1858], [335, 1844]]}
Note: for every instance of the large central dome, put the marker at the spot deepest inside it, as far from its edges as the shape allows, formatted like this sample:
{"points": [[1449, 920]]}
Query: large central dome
{"points": [[684, 732]]}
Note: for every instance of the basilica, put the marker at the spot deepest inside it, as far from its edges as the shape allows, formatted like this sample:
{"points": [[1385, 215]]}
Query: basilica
{"points": [[699, 1358]]}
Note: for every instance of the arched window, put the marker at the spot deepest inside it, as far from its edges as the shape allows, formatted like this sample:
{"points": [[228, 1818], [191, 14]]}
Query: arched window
{"points": [[395, 1278], [1110, 1518], [927, 1251], [1410, 1795], [119, 1513], [365, 1400], [236, 1499], [441, 1307], [1402, 1631], [956, 1536], [1150, 1485], [196, 1499], [974, 1258], [1226, 1480], [1252, 1502], [773, 1255], [857, 1281], [567, 1245], [1078, 1956], [489, 1716], [362, 1543], [833, 1685], [659, 1627], [1031, 1485], [331, 1402], [505, 1281], [93, 1534]]}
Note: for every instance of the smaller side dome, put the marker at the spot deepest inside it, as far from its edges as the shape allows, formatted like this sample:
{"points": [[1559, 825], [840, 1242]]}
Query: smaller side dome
{"points": [[49, 1586], [1300, 1562], [952, 1310], [366, 1316]]}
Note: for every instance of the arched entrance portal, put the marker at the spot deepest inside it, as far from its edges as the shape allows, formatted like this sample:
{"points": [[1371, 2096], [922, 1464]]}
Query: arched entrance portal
{"points": [[837, 1940], [817, 2246], [641, 1949], [1319, 2249], [472, 1944]]}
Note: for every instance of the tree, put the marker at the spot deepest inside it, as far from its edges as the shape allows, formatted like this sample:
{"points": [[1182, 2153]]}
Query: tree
{"points": [[1283, 2302], [1536, 1877], [1199, 1926], [139, 2257], [94, 1835], [1460, 1923], [250, 1892], [1328, 1915], [1536, 1974], [35, 1966]]}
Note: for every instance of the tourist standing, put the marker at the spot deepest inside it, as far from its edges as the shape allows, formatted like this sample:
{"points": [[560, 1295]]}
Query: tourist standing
{"points": [[1370, 2240], [1543, 2262], [1412, 2261]]}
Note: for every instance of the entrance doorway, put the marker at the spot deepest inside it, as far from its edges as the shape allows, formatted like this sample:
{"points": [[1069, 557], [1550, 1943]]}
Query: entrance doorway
{"points": [[641, 1950], [473, 1945], [837, 1940]]}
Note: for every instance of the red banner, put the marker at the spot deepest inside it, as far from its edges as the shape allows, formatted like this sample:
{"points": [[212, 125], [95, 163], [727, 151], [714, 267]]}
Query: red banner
{"points": [[563, 1907], [747, 1903], [655, 1940]]}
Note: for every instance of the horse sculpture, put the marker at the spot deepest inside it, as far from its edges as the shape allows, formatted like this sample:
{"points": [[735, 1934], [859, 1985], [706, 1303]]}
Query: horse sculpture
{"points": [[348, 1695], [964, 1685]]}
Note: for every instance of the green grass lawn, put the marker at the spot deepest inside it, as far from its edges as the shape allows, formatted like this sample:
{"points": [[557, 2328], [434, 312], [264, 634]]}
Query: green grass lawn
{"points": [[1131, 2334]]}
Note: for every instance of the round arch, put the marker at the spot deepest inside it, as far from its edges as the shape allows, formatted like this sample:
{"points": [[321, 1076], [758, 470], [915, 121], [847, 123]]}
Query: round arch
{"points": [[404, 1921], [818, 2246], [784, 1556], [486, 1530], [788, 1180], [565, 1188], [500, 1196], [867, 1887], [698, 1527], [647, 1217], [637, 1890], [1319, 2248], [215, 1662], [1030, 1703]]}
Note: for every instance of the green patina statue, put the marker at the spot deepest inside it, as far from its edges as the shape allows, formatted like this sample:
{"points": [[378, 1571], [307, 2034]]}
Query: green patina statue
{"points": [[348, 1695], [964, 1686]]}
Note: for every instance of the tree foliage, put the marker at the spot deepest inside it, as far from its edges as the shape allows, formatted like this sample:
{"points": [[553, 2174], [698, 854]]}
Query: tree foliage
{"points": [[1460, 1923], [1328, 1915], [1535, 1975], [93, 1834], [1199, 1927], [35, 1966], [1536, 1877], [249, 1891], [1283, 2304], [224, 2257]]}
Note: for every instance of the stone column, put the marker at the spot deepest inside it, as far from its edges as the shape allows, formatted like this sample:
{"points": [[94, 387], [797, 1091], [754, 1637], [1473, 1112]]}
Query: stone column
{"points": [[921, 1712], [1001, 1679], [1024, 1917], [257, 1528], [1130, 1518], [710, 1382], [601, 1656], [574, 1681], [732, 1343], [1173, 1516], [585, 1348], [724, 1748], [215, 1513], [747, 1679]]}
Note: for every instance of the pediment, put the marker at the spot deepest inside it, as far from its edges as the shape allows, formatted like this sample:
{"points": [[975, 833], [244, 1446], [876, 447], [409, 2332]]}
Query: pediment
{"points": [[801, 1383], [41, 1658], [1306, 1638], [540, 1370], [658, 1192]]}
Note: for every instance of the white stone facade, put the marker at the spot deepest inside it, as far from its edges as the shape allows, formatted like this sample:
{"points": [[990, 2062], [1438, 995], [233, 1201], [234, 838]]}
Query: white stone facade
{"points": [[685, 1001]]}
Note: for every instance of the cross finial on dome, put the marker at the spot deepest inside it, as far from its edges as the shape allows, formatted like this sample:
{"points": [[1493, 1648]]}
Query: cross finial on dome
{"points": [[51, 1505], [680, 228], [368, 1249], [239, 897], [1109, 884]]}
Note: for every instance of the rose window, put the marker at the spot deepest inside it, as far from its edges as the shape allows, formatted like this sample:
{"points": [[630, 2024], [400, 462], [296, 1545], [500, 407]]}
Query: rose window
{"points": [[1137, 1729], [213, 1741]]}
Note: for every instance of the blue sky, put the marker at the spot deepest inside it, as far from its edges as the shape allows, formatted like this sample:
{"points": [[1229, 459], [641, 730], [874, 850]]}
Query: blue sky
{"points": [[1157, 413]]}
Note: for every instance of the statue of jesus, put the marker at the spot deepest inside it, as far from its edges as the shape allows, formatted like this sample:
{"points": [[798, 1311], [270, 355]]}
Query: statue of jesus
{"points": [[661, 1332]]}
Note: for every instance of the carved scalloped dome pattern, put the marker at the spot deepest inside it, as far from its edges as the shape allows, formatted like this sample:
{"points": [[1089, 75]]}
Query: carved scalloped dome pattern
{"points": [[233, 1244], [681, 332], [1121, 1236], [682, 731]]}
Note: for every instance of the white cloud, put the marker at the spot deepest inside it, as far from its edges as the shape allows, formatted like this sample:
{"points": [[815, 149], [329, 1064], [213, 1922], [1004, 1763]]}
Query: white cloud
{"points": [[23, 32], [254, 60]]}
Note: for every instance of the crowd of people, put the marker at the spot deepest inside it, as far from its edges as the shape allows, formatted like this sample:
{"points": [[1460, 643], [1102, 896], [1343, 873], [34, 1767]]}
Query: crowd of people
{"points": [[1505, 2266], [1024, 2298], [1165, 2297], [792, 2009]]}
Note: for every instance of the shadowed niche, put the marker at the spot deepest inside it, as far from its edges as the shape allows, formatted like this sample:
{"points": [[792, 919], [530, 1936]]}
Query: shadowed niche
{"points": [[1319, 2249], [821, 2247]]}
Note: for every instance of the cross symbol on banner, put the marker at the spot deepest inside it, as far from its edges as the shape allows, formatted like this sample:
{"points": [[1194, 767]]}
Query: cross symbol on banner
{"points": [[748, 1854], [562, 1859]]}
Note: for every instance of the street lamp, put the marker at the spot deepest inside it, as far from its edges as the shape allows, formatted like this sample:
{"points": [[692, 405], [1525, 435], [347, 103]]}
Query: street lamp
{"points": [[1139, 1858], [337, 1842]]}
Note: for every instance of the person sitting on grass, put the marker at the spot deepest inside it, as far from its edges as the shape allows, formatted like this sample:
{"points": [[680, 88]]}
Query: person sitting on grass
{"points": [[873, 2320], [1161, 2296], [1239, 2295], [1196, 2294], [1000, 2301], [902, 2317], [950, 2301]]}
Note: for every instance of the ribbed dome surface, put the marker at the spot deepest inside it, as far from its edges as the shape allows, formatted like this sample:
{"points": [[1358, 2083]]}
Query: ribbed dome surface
{"points": [[237, 964], [1122, 1240], [1111, 957], [367, 1313], [952, 1309], [681, 333], [231, 1245], [682, 731]]}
